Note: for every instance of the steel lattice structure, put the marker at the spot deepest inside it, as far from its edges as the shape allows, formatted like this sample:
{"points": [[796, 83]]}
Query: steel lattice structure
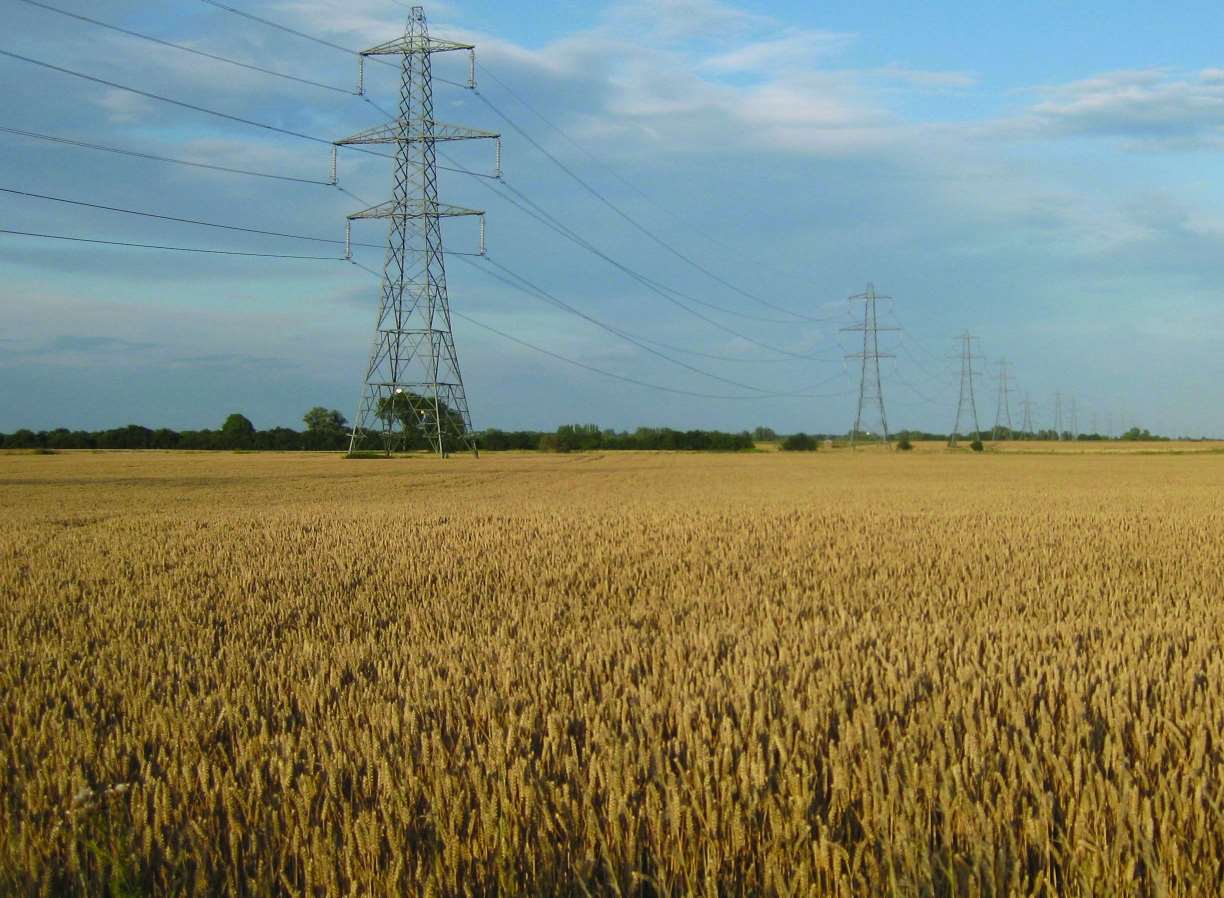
{"points": [[1003, 418], [966, 402], [413, 384], [871, 388]]}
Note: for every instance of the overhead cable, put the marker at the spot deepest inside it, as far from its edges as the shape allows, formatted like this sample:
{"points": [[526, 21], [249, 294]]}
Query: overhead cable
{"points": [[688, 260], [175, 249], [150, 156], [185, 49], [570, 361], [191, 221]]}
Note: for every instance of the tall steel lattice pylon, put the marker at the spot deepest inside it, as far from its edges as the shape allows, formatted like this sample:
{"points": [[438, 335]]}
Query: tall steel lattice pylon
{"points": [[871, 389], [1058, 421], [413, 387], [1003, 419], [966, 400], [1028, 405]]}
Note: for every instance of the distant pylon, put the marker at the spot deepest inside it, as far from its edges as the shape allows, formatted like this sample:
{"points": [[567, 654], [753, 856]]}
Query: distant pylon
{"points": [[412, 383], [966, 402], [1003, 409], [1058, 422], [1027, 405], [871, 389], [1074, 419]]}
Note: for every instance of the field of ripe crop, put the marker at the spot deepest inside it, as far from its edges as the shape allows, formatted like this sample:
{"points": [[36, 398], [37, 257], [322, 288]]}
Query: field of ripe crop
{"points": [[626, 674]]}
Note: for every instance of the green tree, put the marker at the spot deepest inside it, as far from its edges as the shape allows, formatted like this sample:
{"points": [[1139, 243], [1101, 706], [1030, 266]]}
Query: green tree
{"points": [[410, 409], [237, 432], [799, 442], [321, 420]]}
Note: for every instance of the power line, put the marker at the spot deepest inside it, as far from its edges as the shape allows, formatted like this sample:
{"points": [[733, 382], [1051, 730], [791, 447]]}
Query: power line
{"points": [[293, 31], [150, 156], [569, 233], [587, 186], [618, 176], [191, 221], [660, 290], [569, 361], [192, 50], [310, 37], [630, 219], [523, 285], [176, 249], [163, 99]]}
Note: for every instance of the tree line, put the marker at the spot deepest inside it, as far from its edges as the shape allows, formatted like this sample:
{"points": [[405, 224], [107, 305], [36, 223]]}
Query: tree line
{"points": [[326, 430]]}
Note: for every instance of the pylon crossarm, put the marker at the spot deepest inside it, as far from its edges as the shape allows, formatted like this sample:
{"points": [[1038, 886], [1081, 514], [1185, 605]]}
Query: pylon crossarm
{"points": [[415, 43], [391, 132], [414, 209]]}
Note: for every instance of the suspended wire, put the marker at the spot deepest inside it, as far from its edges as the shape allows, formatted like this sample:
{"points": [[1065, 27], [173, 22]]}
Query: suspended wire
{"points": [[460, 171], [349, 193], [724, 358], [150, 156], [632, 221], [293, 31], [225, 115], [658, 289], [569, 361], [153, 96], [688, 223], [664, 292], [592, 190], [913, 389], [192, 50], [287, 132], [574, 236], [523, 285], [175, 249], [317, 40], [935, 378], [191, 221], [566, 169]]}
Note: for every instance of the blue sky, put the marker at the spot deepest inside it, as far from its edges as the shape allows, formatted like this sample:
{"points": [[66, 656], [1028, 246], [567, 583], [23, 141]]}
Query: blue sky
{"points": [[1046, 177]]}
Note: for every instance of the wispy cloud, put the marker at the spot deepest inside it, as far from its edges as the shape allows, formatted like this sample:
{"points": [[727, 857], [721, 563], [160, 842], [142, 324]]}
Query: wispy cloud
{"points": [[681, 20], [793, 50], [1146, 109]]}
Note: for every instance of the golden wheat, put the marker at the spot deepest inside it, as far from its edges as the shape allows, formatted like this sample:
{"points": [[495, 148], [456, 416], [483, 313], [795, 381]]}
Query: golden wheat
{"points": [[931, 674]]}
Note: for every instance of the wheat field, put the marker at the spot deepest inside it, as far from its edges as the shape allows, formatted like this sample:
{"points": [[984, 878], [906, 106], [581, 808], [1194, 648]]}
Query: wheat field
{"points": [[923, 674]]}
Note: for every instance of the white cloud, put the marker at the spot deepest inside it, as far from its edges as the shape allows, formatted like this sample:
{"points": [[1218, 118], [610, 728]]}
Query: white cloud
{"points": [[793, 50], [679, 20], [122, 107], [367, 22], [1145, 108]]}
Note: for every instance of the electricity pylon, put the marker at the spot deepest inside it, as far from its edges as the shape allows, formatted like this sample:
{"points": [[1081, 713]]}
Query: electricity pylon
{"points": [[1003, 409], [1058, 422], [966, 399], [1074, 419], [871, 389], [1028, 406], [413, 384]]}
